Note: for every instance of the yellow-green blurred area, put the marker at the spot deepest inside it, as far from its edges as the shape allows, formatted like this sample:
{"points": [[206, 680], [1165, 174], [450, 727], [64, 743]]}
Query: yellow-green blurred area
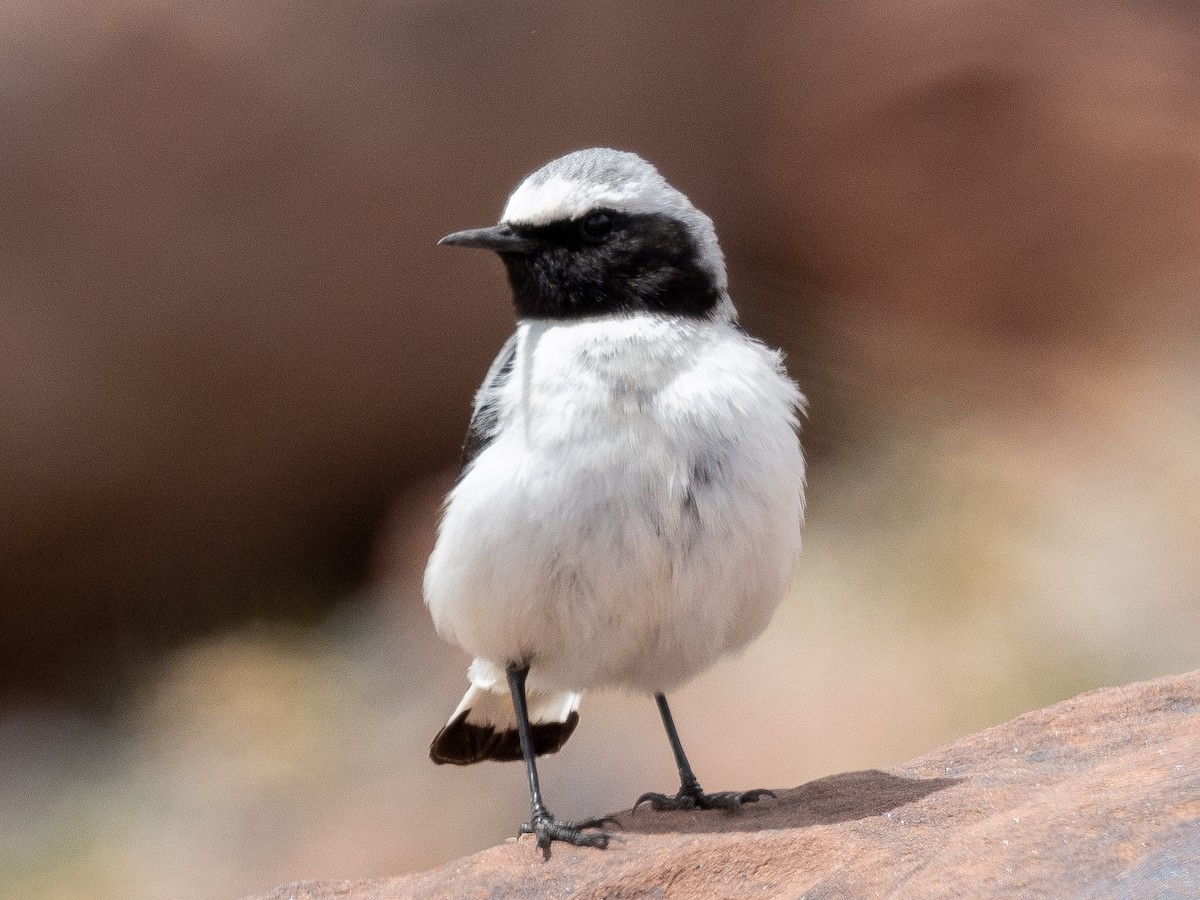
{"points": [[235, 369]]}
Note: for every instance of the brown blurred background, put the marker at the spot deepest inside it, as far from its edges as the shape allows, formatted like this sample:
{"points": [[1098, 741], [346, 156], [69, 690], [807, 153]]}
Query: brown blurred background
{"points": [[234, 372]]}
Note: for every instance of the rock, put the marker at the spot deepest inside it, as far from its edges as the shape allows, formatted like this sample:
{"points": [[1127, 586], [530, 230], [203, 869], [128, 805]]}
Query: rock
{"points": [[1098, 796]]}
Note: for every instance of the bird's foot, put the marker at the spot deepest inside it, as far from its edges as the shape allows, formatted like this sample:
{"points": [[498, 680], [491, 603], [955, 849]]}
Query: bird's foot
{"points": [[546, 828], [690, 796]]}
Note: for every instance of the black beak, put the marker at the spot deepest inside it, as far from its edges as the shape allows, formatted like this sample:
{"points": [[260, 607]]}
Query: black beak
{"points": [[499, 238]]}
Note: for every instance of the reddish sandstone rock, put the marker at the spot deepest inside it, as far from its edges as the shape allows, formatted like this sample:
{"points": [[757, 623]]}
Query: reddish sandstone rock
{"points": [[1098, 796]]}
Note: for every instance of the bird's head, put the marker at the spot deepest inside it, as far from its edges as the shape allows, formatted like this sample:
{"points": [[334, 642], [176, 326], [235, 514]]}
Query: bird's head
{"points": [[600, 232]]}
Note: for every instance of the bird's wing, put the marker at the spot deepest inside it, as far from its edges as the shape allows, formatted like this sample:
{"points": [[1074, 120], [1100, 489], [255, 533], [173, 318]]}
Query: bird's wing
{"points": [[486, 414]]}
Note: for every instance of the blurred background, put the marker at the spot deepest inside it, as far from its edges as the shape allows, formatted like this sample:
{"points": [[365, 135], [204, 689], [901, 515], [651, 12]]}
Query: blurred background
{"points": [[235, 372]]}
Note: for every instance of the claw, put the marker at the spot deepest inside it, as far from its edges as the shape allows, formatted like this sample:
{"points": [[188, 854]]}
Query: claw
{"points": [[662, 801]]}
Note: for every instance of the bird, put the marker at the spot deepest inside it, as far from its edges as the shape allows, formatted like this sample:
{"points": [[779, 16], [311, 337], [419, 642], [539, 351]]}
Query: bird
{"points": [[630, 498]]}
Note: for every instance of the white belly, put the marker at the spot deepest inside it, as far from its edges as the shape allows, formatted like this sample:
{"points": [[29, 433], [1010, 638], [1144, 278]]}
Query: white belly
{"points": [[639, 514]]}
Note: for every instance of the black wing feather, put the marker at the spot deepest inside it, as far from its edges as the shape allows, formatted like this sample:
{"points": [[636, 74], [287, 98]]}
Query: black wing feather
{"points": [[486, 415]]}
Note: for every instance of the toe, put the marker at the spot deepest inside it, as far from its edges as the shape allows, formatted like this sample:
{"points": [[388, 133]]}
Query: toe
{"points": [[598, 839], [671, 803], [724, 800], [653, 799]]}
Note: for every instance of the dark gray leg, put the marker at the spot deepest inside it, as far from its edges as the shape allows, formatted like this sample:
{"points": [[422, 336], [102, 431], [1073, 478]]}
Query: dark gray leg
{"points": [[542, 823], [690, 795]]}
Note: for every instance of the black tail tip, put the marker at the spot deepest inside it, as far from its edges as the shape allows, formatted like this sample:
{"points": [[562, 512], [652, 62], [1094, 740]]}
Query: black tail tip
{"points": [[462, 743]]}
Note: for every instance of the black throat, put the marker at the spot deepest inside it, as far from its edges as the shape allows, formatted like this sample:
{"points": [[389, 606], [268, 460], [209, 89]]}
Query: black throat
{"points": [[648, 263]]}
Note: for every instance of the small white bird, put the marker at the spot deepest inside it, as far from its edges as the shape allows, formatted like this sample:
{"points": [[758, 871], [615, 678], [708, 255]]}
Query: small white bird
{"points": [[632, 485]]}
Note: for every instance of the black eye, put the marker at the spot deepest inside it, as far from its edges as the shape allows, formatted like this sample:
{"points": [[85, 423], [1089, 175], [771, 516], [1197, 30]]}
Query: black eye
{"points": [[597, 225]]}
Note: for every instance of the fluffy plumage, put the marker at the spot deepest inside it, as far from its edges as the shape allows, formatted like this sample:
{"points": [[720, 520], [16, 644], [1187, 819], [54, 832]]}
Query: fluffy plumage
{"points": [[632, 493]]}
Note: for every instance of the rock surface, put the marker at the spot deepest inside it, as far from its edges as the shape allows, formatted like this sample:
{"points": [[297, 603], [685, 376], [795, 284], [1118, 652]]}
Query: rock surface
{"points": [[1098, 796]]}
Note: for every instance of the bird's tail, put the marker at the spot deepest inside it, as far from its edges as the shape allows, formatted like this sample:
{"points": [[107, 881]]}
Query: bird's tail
{"points": [[485, 724]]}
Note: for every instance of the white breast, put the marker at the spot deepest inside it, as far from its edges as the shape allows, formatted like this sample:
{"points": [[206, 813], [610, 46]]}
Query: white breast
{"points": [[638, 514]]}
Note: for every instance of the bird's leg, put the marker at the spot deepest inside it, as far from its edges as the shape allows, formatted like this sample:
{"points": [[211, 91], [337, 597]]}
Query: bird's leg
{"points": [[542, 823], [690, 795]]}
